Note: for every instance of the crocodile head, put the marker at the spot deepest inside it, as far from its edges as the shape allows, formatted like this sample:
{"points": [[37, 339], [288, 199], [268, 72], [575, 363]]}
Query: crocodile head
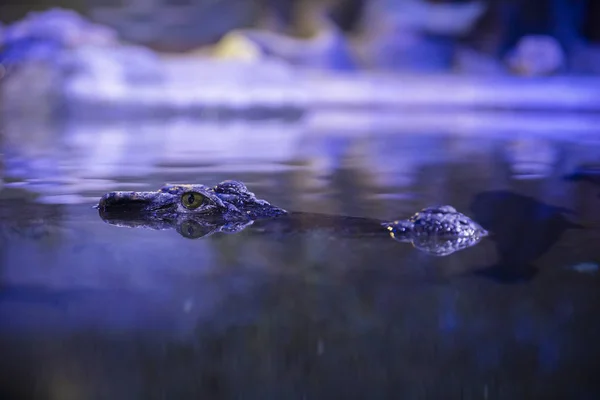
{"points": [[439, 230], [228, 201], [441, 221]]}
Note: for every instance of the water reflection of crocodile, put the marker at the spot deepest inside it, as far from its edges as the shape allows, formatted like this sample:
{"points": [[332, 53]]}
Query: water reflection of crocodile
{"points": [[197, 211]]}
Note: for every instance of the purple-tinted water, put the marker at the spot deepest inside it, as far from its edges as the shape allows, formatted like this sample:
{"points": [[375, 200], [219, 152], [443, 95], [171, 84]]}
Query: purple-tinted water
{"points": [[90, 310]]}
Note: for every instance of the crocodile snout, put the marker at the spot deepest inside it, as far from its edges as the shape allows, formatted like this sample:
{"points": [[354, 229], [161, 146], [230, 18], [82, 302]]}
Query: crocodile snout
{"points": [[127, 201]]}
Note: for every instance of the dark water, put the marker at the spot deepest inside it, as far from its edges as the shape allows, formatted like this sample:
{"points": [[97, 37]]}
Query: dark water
{"points": [[94, 311]]}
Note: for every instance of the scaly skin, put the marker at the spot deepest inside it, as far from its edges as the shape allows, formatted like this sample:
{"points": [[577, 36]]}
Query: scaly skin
{"points": [[437, 230], [196, 211], [228, 201]]}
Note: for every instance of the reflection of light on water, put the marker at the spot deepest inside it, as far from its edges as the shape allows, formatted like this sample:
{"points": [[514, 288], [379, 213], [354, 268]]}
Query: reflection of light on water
{"points": [[395, 160], [90, 158], [226, 144], [461, 122], [109, 150], [76, 163], [584, 154], [1, 171], [57, 192], [62, 199], [531, 158]]}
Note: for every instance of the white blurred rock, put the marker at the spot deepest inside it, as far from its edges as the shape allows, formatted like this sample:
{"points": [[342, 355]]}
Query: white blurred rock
{"points": [[63, 26], [131, 65], [49, 53], [536, 55]]}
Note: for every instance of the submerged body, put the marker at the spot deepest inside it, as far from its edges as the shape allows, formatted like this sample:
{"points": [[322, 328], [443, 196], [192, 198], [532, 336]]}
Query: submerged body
{"points": [[196, 211]]}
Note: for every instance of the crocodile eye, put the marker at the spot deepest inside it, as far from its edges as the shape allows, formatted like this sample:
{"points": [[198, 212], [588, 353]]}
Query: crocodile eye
{"points": [[192, 200]]}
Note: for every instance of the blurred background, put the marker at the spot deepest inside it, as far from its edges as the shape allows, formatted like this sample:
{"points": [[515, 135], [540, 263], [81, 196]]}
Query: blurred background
{"points": [[372, 108], [75, 75], [396, 35]]}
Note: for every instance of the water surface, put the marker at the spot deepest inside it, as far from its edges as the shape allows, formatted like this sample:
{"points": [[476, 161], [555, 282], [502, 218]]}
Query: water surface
{"points": [[91, 310]]}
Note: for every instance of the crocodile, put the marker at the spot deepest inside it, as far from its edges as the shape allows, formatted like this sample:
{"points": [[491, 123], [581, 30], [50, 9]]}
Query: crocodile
{"points": [[197, 211]]}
